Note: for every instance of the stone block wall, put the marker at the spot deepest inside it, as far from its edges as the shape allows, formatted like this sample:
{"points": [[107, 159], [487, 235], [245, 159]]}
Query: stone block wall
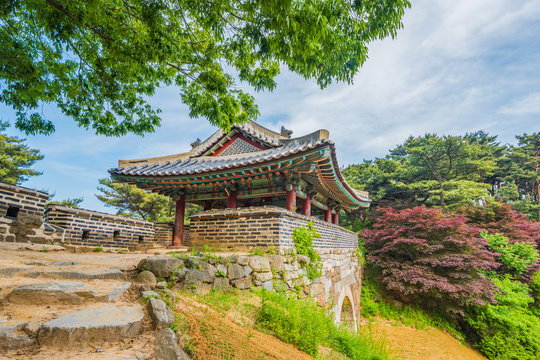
{"points": [[21, 214], [92, 228], [164, 233], [338, 286], [244, 228]]}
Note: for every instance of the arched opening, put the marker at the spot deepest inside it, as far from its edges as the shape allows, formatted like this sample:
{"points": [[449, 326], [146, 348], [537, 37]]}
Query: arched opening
{"points": [[347, 314]]}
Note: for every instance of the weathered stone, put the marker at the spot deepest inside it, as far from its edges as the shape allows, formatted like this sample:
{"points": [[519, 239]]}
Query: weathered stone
{"points": [[160, 313], [263, 276], [267, 285], [146, 277], [106, 323], [247, 270], [222, 269], [243, 260], [276, 263], [243, 283], [161, 285], [149, 294], [31, 329], [193, 275], [11, 339], [161, 266], [303, 259], [36, 262], [110, 274], [259, 263], [166, 346], [235, 271], [63, 263], [221, 283], [65, 292], [231, 259], [12, 271]]}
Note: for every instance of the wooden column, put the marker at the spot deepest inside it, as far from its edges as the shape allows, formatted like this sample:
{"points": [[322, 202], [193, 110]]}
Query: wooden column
{"points": [[291, 198], [306, 209], [232, 200], [336, 217], [178, 233], [328, 215]]}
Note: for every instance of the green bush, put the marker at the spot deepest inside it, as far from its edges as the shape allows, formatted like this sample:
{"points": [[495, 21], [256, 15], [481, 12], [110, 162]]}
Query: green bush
{"points": [[508, 330], [303, 241], [303, 323], [516, 257]]}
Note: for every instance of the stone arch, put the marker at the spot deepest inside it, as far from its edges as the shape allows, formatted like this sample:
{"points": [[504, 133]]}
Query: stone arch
{"points": [[344, 312]]}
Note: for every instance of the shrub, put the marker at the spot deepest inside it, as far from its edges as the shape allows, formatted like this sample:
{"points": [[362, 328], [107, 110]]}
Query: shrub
{"points": [[508, 330], [516, 258], [303, 241], [303, 323], [431, 259]]}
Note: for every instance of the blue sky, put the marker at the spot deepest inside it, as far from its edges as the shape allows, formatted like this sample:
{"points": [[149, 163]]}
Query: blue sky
{"points": [[455, 67]]}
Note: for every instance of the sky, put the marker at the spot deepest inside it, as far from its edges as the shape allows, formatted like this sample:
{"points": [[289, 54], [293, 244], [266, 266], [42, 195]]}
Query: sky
{"points": [[455, 67]]}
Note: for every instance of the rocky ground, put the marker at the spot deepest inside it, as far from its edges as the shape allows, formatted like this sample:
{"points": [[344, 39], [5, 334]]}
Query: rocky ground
{"points": [[78, 306]]}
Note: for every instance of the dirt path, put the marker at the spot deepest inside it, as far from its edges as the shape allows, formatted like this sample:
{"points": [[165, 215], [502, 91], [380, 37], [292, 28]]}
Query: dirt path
{"points": [[406, 343]]}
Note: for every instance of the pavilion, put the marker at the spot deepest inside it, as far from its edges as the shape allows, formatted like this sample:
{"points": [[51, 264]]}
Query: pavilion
{"points": [[249, 166]]}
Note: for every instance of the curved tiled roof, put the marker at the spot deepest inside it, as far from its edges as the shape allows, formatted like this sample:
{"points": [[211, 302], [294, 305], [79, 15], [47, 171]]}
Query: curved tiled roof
{"points": [[204, 164]]}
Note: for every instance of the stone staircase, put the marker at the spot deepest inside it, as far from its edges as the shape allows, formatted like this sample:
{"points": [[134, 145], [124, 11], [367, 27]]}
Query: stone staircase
{"points": [[64, 310]]}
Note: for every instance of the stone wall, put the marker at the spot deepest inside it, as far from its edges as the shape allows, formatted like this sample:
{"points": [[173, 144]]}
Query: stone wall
{"points": [[164, 233], [92, 228], [21, 215], [338, 286], [245, 228]]}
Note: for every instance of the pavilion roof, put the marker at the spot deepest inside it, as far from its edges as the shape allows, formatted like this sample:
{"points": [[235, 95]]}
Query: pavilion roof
{"points": [[276, 148]]}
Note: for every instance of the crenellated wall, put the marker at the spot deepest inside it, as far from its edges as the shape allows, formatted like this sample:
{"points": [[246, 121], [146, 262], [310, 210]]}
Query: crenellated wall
{"points": [[244, 228]]}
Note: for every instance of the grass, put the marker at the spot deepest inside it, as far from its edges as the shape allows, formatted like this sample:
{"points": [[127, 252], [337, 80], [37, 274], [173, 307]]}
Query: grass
{"points": [[303, 323], [374, 308]]}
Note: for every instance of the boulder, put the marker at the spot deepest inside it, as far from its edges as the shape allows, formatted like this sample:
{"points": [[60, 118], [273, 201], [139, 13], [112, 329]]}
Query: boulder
{"points": [[263, 276], [106, 323], [303, 259], [243, 283], [11, 338], [166, 346], [161, 314], [276, 263], [259, 263], [221, 283], [146, 277], [161, 266], [194, 275], [243, 260], [235, 271]]}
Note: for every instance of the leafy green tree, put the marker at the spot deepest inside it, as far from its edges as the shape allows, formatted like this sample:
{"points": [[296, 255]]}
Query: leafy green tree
{"points": [[16, 158], [134, 202], [100, 60], [70, 202]]}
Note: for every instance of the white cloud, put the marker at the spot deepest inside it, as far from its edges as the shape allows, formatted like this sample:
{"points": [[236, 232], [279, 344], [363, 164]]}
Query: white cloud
{"points": [[529, 105]]}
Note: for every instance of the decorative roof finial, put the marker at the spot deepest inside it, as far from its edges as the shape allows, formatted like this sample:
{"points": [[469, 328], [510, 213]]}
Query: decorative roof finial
{"points": [[196, 143], [286, 132]]}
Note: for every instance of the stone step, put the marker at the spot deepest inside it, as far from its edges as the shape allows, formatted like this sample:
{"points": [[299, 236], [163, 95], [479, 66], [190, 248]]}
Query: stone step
{"points": [[67, 292], [12, 337], [97, 325], [78, 274]]}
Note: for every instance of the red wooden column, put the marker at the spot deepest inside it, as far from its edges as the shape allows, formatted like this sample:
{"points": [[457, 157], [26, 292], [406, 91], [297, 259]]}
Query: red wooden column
{"points": [[336, 217], [328, 215], [291, 198], [306, 209], [178, 233], [232, 200]]}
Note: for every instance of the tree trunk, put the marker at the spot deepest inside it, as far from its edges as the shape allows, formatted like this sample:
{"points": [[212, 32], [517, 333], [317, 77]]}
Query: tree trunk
{"points": [[443, 206]]}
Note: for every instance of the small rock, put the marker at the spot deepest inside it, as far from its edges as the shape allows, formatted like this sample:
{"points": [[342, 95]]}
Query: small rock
{"points": [[303, 259], [146, 277], [243, 283], [161, 285], [235, 271], [149, 294], [35, 262], [161, 266], [247, 270], [194, 275], [221, 283], [98, 350], [63, 263], [10, 339], [161, 314], [259, 263], [243, 260], [166, 346], [146, 287], [142, 356], [267, 285], [222, 269]]}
